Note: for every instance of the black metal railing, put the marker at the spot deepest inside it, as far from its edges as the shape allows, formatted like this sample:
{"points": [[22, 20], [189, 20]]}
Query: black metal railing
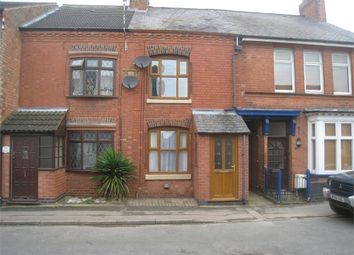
{"points": [[282, 186]]}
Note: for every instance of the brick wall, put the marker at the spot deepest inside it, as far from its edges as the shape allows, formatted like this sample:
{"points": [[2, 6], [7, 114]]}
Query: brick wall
{"points": [[10, 53], [255, 79], [45, 83], [80, 184], [51, 184], [5, 170], [201, 173]]}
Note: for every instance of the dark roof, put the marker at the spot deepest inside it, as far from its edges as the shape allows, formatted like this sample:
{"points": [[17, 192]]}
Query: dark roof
{"points": [[264, 25], [6, 5], [248, 24], [34, 120], [219, 121], [83, 17]]}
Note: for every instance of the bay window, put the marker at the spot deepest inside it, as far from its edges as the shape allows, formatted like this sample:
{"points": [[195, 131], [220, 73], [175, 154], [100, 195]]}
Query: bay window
{"points": [[331, 144], [92, 77], [51, 152], [84, 147]]}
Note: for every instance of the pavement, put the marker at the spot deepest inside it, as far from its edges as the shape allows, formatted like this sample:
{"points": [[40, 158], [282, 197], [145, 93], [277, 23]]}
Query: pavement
{"points": [[158, 211]]}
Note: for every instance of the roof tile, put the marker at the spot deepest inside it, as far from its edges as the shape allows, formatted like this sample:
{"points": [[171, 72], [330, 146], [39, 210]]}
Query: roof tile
{"points": [[33, 120], [219, 121], [84, 17]]}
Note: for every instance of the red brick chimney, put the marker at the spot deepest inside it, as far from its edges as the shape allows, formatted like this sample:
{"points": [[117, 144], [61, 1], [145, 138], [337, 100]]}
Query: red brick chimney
{"points": [[313, 9], [139, 5]]}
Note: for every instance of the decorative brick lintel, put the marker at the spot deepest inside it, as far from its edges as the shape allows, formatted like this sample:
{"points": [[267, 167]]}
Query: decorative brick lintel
{"points": [[169, 123], [94, 48], [155, 50]]}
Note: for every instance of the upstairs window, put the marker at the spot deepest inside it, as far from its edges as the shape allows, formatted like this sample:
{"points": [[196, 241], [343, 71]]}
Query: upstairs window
{"points": [[342, 84], [92, 77], [169, 79], [313, 72], [284, 70]]}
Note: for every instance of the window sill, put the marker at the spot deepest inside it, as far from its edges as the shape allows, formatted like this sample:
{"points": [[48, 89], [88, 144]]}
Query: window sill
{"points": [[341, 94], [80, 170], [168, 101], [155, 177], [93, 97], [51, 169], [312, 92], [284, 91]]}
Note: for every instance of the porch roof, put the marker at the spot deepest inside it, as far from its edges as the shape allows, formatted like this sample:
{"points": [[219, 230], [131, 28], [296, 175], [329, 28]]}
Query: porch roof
{"points": [[219, 121], [34, 120]]}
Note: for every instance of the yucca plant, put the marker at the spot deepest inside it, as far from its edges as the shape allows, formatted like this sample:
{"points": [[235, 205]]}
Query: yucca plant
{"points": [[113, 171]]}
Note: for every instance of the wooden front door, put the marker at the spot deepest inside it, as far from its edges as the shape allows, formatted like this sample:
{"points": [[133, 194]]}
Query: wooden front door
{"points": [[24, 176], [223, 167]]}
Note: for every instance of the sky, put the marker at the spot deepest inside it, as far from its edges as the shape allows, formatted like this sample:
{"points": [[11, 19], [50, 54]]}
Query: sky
{"points": [[339, 12]]}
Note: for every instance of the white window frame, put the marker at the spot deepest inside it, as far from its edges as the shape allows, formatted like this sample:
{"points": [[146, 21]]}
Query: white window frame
{"points": [[316, 64], [291, 62], [320, 138], [348, 66]]}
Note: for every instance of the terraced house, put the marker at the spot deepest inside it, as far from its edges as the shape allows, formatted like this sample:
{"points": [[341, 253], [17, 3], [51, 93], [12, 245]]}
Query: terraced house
{"points": [[201, 100]]}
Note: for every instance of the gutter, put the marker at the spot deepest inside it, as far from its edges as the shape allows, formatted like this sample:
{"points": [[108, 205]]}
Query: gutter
{"points": [[303, 42], [77, 29]]}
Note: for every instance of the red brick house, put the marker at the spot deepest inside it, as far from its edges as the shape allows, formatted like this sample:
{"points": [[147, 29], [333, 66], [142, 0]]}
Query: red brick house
{"points": [[12, 15], [201, 100]]}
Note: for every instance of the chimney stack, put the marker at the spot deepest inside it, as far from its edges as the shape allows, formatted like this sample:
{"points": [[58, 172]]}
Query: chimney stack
{"points": [[315, 9], [139, 5]]}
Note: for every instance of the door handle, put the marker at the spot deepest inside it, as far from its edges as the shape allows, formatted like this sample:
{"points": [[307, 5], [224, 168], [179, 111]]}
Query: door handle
{"points": [[233, 168]]}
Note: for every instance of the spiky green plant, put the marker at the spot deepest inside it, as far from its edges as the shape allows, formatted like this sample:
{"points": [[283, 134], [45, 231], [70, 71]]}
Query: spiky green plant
{"points": [[113, 171]]}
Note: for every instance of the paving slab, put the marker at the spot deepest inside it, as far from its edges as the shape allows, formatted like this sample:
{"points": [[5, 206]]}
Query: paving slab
{"points": [[157, 211]]}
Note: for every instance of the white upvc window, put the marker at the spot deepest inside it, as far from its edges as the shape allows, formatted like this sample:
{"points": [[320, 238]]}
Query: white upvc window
{"points": [[331, 144], [284, 77], [313, 71], [342, 80]]}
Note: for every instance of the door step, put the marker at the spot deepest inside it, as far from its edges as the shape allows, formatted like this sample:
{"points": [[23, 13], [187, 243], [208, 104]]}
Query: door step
{"points": [[22, 202]]}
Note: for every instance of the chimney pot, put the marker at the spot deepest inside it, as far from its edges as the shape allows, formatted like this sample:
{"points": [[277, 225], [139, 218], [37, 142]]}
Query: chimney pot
{"points": [[315, 9], [139, 5]]}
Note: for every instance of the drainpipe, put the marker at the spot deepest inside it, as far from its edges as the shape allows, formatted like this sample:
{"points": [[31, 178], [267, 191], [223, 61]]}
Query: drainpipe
{"points": [[234, 80], [244, 199], [1, 145], [237, 50]]}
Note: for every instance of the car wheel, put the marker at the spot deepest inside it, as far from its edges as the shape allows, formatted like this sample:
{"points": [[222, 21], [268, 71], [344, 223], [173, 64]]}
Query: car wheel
{"points": [[338, 210]]}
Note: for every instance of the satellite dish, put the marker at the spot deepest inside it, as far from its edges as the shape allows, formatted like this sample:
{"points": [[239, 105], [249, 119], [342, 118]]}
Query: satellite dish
{"points": [[130, 82], [142, 61]]}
